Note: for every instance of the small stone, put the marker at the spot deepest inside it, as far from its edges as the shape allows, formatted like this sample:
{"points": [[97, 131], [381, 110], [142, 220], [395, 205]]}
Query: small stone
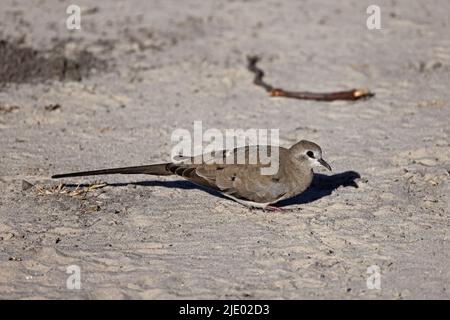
{"points": [[52, 107], [436, 65], [15, 259], [26, 185]]}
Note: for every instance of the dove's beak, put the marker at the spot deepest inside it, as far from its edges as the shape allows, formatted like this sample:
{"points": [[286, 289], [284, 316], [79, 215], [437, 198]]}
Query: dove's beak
{"points": [[325, 164]]}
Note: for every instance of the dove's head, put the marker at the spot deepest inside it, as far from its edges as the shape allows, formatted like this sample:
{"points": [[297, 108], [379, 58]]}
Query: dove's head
{"points": [[309, 152]]}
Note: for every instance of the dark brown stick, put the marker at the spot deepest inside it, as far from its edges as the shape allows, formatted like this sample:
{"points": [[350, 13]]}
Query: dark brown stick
{"points": [[351, 95]]}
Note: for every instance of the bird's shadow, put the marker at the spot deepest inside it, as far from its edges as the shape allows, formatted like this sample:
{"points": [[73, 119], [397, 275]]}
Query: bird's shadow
{"points": [[177, 184], [322, 186]]}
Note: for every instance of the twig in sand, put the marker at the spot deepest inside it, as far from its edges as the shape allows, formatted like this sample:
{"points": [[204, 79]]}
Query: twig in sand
{"points": [[351, 95], [62, 189]]}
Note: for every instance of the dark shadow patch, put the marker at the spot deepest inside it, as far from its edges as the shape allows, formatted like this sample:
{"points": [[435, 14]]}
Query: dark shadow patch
{"points": [[178, 184], [21, 64], [323, 186]]}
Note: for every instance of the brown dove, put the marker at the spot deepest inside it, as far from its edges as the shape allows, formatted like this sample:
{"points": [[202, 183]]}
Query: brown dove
{"points": [[242, 181]]}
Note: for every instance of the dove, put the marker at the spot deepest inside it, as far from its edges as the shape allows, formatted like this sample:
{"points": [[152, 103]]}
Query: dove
{"points": [[242, 182]]}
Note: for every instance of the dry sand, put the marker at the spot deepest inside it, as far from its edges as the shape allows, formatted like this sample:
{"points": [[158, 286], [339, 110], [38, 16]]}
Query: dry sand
{"points": [[112, 93]]}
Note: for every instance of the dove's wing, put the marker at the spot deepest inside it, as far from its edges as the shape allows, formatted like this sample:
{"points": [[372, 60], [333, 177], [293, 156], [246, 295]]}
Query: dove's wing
{"points": [[241, 181]]}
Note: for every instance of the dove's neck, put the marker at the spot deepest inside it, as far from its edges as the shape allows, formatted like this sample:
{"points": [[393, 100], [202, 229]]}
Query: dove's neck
{"points": [[301, 171]]}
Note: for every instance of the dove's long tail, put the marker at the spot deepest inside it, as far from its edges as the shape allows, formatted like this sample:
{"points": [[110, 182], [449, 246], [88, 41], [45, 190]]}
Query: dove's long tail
{"points": [[161, 169]]}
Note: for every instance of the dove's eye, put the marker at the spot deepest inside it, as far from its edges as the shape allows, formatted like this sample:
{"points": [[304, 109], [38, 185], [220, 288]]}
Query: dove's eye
{"points": [[310, 154]]}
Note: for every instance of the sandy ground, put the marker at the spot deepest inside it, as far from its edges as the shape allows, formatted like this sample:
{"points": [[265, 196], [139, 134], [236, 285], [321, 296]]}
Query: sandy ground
{"points": [[112, 93]]}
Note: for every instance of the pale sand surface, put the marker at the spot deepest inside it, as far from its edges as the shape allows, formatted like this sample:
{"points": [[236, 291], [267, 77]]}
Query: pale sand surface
{"points": [[169, 64]]}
